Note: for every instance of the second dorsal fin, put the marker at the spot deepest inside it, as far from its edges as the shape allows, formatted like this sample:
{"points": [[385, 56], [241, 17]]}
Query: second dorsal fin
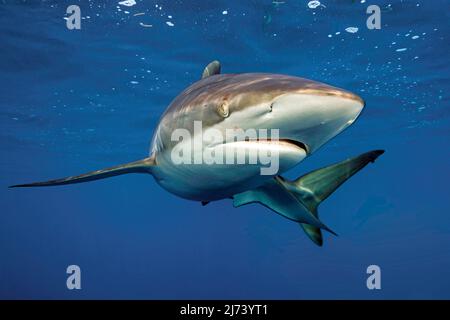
{"points": [[211, 69]]}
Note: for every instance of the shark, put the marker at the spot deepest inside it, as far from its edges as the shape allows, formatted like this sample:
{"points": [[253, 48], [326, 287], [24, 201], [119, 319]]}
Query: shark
{"points": [[306, 113]]}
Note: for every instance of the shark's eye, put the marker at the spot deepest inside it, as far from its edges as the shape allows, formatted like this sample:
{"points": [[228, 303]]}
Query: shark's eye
{"points": [[271, 107], [223, 109]]}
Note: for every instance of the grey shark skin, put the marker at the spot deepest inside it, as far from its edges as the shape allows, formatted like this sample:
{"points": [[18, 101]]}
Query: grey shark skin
{"points": [[306, 113]]}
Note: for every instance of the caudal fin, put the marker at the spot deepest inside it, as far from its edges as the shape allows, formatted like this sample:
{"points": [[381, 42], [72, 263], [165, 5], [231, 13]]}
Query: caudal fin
{"points": [[141, 166]]}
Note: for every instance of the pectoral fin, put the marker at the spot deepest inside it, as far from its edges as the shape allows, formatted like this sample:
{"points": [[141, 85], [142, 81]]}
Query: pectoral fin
{"points": [[298, 200], [141, 166], [316, 186], [275, 196]]}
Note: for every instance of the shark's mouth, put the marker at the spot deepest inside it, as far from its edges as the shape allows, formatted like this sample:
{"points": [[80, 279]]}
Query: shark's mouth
{"points": [[299, 144], [296, 143]]}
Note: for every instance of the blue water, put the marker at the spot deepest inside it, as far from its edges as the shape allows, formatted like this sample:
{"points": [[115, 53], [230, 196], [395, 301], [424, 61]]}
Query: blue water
{"points": [[76, 100]]}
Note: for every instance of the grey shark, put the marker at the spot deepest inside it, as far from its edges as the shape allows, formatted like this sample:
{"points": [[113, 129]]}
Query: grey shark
{"points": [[306, 113]]}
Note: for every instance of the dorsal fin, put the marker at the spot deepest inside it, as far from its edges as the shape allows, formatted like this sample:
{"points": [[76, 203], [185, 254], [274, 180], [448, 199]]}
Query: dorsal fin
{"points": [[211, 69]]}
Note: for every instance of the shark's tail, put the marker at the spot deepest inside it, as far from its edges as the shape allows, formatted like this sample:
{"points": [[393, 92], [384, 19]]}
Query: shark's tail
{"points": [[298, 199], [140, 166]]}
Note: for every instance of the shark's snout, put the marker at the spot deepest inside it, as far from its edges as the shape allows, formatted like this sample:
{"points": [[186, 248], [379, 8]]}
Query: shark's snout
{"points": [[353, 107], [317, 116]]}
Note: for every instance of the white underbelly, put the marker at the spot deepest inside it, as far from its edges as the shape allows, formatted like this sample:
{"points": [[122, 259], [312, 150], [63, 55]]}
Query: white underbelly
{"points": [[226, 169]]}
